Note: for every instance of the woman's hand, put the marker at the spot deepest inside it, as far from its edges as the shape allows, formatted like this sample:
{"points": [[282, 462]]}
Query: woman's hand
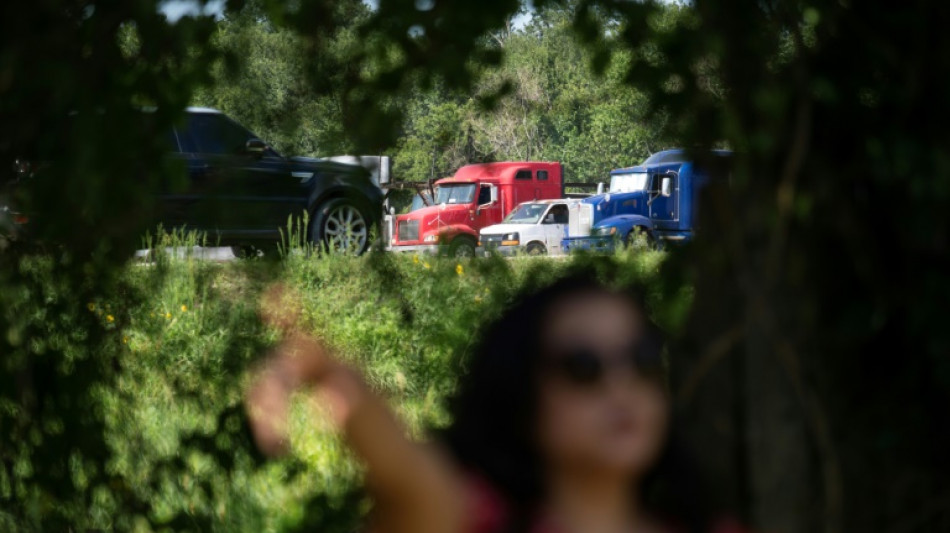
{"points": [[267, 403], [298, 361]]}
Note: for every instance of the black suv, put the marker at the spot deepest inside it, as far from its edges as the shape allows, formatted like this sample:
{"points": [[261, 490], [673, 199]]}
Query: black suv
{"points": [[242, 192]]}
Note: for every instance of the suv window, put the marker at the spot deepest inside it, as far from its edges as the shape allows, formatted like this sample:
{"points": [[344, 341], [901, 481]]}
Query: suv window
{"points": [[211, 133]]}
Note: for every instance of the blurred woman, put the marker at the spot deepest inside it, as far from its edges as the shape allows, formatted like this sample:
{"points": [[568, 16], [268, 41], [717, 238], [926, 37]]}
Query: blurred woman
{"points": [[561, 425]]}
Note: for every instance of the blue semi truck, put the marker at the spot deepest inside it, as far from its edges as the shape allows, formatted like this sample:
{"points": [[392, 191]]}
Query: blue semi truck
{"points": [[654, 201]]}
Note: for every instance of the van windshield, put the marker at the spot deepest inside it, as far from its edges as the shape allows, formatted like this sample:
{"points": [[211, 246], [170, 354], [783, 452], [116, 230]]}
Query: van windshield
{"points": [[634, 181], [462, 193], [526, 214]]}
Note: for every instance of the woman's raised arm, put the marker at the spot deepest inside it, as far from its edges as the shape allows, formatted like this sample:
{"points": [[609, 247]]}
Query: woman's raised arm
{"points": [[417, 488]]}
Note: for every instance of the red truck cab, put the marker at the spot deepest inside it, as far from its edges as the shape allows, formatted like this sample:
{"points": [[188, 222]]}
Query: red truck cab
{"points": [[476, 196]]}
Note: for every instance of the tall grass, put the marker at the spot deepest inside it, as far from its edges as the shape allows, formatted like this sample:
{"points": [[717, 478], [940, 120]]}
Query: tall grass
{"points": [[189, 332]]}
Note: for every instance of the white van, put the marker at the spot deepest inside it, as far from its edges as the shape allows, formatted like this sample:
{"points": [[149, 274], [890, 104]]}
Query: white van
{"points": [[533, 228]]}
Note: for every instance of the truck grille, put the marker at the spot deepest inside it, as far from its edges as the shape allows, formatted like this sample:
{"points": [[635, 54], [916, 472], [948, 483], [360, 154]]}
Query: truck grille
{"points": [[408, 230], [490, 242], [387, 228]]}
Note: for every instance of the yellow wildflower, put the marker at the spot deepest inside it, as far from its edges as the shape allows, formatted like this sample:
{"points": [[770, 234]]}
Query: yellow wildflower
{"points": [[125, 340], [478, 299], [400, 379], [168, 316], [458, 269], [184, 308], [91, 306], [415, 259], [110, 318], [426, 265]]}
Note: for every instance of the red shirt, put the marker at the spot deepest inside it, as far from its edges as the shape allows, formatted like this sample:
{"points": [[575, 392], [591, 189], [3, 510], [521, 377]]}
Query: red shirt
{"points": [[489, 513]]}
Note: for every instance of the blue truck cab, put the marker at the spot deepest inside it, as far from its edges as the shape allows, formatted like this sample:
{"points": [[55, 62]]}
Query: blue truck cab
{"points": [[656, 200]]}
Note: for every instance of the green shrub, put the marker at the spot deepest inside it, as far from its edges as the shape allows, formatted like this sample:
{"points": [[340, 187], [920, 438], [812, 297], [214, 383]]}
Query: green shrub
{"points": [[184, 333]]}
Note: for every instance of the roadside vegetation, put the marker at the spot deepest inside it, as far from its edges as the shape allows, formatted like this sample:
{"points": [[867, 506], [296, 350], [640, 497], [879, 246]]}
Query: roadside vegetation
{"points": [[184, 333]]}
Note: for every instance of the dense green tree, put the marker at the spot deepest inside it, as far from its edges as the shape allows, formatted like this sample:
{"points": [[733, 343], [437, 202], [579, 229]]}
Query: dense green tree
{"points": [[75, 76], [437, 138], [814, 364], [281, 88], [556, 109]]}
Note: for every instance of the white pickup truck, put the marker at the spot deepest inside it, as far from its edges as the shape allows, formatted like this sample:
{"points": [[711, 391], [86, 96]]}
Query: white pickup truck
{"points": [[533, 228]]}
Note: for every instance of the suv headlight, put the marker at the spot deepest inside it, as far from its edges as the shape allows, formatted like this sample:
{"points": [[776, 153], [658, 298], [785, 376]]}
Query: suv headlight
{"points": [[510, 239], [431, 238]]}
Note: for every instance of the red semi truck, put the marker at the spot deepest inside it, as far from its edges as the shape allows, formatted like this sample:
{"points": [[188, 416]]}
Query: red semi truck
{"points": [[475, 197]]}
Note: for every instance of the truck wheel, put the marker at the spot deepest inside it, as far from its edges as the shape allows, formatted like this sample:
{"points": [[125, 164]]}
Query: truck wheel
{"points": [[640, 237], [341, 226], [462, 247], [536, 248]]}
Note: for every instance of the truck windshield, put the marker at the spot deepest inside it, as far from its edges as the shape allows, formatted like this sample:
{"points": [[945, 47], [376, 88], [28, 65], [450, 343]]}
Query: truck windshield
{"points": [[455, 194], [635, 181], [526, 214], [419, 201]]}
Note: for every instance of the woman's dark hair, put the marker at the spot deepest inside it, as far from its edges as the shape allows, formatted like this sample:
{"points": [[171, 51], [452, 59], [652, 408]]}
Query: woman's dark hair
{"points": [[494, 413]]}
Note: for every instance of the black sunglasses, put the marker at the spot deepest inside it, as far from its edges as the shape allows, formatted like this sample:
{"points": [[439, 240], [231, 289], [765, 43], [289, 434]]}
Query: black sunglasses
{"points": [[586, 366]]}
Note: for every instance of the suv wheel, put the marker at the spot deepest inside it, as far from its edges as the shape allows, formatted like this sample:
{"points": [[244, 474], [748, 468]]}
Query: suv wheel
{"points": [[341, 226]]}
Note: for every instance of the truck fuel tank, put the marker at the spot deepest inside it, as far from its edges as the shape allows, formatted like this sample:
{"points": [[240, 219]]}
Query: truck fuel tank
{"points": [[581, 217]]}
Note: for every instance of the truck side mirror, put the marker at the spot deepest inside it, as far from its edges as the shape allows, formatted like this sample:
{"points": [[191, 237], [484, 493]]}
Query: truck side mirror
{"points": [[493, 191], [666, 187], [600, 188]]}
